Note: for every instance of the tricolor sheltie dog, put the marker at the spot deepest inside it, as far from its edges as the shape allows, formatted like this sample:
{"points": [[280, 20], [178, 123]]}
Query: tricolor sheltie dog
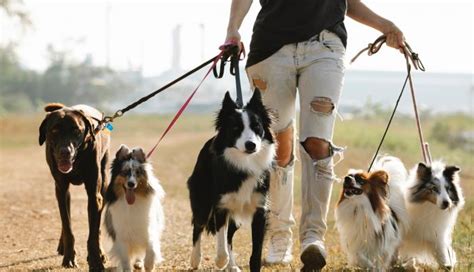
{"points": [[134, 218], [434, 199], [371, 216], [230, 181]]}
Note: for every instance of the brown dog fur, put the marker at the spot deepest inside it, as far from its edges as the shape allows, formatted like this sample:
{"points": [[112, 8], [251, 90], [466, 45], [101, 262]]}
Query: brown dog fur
{"points": [[376, 188], [69, 134]]}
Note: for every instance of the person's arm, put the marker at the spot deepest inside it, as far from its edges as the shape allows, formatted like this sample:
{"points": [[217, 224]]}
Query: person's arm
{"points": [[362, 14], [238, 10]]}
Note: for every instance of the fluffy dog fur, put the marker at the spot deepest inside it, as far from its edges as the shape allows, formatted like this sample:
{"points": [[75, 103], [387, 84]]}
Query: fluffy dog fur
{"points": [[230, 181], [371, 215], [134, 218], [77, 155], [434, 199]]}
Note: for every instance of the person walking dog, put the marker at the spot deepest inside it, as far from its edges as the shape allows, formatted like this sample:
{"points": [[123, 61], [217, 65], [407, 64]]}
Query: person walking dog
{"points": [[300, 45]]}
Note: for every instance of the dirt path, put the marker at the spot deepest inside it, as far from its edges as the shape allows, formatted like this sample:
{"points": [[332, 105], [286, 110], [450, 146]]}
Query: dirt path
{"points": [[29, 217], [31, 224]]}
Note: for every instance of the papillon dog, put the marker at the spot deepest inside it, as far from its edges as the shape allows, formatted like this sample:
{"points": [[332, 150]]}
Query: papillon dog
{"points": [[371, 216]]}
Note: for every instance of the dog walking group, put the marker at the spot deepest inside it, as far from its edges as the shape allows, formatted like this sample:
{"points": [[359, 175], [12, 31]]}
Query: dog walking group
{"points": [[244, 174]]}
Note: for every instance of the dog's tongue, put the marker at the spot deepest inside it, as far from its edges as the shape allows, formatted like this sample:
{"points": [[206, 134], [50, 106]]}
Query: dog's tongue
{"points": [[130, 196], [65, 166]]}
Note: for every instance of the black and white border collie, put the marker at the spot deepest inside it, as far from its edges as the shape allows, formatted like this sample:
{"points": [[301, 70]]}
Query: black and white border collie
{"points": [[230, 181], [134, 218], [434, 199]]}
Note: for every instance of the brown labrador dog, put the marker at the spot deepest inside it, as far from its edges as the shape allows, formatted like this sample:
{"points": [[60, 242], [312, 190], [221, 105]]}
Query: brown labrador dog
{"points": [[77, 155]]}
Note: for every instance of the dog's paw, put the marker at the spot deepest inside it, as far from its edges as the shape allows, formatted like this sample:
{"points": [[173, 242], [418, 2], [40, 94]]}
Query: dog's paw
{"points": [[195, 261], [138, 265], [222, 261], [97, 263], [447, 267], [69, 262], [195, 258]]}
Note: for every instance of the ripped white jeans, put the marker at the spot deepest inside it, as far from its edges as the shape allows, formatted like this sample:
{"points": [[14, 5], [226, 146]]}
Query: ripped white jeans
{"points": [[314, 68]]}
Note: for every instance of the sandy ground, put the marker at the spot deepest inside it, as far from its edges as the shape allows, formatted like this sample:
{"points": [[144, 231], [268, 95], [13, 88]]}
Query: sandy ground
{"points": [[29, 218], [30, 222]]}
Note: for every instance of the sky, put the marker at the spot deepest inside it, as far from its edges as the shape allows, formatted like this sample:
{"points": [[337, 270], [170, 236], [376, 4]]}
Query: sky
{"points": [[137, 33]]}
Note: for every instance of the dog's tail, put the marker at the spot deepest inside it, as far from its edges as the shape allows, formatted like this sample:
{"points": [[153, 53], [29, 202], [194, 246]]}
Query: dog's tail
{"points": [[394, 168], [398, 175]]}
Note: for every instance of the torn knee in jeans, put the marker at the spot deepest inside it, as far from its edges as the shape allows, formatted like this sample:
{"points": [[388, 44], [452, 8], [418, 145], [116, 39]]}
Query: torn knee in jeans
{"points": [[284, 152], [322, 105], [317, 149], [322, 152], [259, 83]]}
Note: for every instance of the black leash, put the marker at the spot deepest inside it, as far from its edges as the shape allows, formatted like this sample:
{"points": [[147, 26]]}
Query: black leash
{"points": [[227, 50], [232, 51], [388, 125], [121, 112], [410, 57]]}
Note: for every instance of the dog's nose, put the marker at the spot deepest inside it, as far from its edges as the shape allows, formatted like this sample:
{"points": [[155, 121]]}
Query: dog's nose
{"points": [[348, 181], [130, 184], [250, 146], [64, 151], [445, 204]]}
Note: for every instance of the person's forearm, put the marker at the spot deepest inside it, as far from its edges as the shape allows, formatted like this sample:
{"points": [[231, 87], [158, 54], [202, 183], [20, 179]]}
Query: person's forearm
{"points": [[361, 13], [238, 10]]}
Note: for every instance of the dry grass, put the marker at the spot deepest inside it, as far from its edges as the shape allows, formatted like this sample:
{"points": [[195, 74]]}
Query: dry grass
{"points": [[30, 222]]}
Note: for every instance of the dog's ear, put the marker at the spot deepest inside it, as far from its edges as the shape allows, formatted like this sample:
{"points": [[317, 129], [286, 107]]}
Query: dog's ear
{"points": [[255, 100], [256, 105], [88, 123], [139, 155], [53, 106], [43, 130], [423, 172], [228, 103], [123, 152], [450, 171], [380, 180], [380, 177]]}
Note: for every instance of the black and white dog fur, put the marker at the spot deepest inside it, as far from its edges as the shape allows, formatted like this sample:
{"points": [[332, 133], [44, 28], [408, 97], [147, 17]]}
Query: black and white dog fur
{"points": [[230, 181], [134, 218], [433, 198]]}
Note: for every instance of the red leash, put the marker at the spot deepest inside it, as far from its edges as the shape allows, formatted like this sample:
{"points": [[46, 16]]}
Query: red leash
{"points": [[186, 103]]}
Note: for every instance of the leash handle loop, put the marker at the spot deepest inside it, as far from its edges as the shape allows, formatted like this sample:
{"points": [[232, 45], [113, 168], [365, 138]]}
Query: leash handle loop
{"points": [[236, 53], [411, 58]]}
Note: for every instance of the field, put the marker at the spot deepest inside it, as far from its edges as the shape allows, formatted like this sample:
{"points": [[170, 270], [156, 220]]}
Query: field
{"points": [[29, 218]]}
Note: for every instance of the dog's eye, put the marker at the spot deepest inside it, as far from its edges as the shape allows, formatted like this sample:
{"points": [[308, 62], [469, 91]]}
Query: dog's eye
{"points": [[257, 127], [434, 188], [360, 181]]}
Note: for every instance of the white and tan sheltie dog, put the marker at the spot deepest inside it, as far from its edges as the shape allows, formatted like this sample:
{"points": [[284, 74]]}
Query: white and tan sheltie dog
{"points": [[433, 199], [134, 218], [371, 216]]}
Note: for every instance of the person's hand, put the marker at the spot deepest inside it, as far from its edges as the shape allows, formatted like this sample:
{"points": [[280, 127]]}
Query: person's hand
{"points": [[233, 37], [394, 36]]}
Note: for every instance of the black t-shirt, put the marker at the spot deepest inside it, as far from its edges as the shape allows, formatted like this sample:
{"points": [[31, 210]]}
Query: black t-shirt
{"points": [[281, 22]]}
